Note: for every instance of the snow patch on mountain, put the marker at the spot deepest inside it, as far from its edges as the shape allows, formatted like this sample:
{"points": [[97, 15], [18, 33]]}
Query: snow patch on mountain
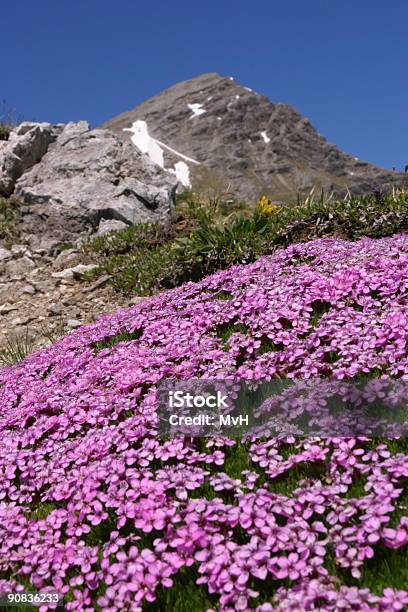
{"points": [[182, 172], [154, 149], [145, 143], [197, 110], [190, 159]]}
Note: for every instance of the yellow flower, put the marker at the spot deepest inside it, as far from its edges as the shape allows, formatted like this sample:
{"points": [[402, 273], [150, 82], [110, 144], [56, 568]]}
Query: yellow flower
{"points": [[266, 206]]}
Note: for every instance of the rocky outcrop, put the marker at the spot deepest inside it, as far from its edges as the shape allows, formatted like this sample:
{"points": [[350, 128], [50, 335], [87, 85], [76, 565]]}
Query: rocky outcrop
{"points": [[25, 147], [209, 132], [70, 178], [244, 140]]}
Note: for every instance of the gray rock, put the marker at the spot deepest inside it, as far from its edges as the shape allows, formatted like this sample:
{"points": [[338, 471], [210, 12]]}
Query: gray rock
{"points": [[66, 285], [69, 301], [77, 272], [135, 300], [5, 291], [43, 286], [64, 274], [28, 289], [5, 254], [110, 225], [102, 280], [65, 257], [54, 310], [90, 175], [20, 249], [81, 269], [74, 323], [25, 147], [246, 142], [19, 267], [19, 321], [7, 307]]}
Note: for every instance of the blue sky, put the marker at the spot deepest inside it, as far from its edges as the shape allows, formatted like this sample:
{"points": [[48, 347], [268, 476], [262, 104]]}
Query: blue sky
{"points": [[343, 64]]}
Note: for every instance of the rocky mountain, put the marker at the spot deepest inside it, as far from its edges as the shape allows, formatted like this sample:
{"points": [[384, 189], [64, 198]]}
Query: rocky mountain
{"points": [[70, 180], [210, 130]]}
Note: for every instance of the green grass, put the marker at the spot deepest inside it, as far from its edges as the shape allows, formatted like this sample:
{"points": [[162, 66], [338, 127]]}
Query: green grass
{"points": [[5, 130], [224, 331], [185, 596], [237, 460], [9, 218], [226, 296], [122, 337], [388, 568], [204, 237], [268, 346], [16, 349]]}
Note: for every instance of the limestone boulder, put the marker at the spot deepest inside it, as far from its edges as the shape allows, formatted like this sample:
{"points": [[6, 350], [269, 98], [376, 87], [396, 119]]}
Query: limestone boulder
{"points": [[25, 147], [87, 176]]}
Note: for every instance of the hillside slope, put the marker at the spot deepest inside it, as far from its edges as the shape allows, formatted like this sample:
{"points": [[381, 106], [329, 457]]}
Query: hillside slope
{"points": [[95, 505]]}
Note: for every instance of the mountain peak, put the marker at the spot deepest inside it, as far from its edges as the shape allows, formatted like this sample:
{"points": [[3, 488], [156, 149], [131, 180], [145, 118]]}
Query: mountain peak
{"points": [[236, 137]]}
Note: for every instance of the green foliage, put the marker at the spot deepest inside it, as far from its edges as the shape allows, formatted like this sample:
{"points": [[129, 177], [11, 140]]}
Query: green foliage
{"points": [[5, 130], [123, 337], [132, 239], [64, 246], [7, 120], [184, 596], [9, 217], [213, 246], [53, 331], [16, 349], [375, 215], [208, 234]]}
